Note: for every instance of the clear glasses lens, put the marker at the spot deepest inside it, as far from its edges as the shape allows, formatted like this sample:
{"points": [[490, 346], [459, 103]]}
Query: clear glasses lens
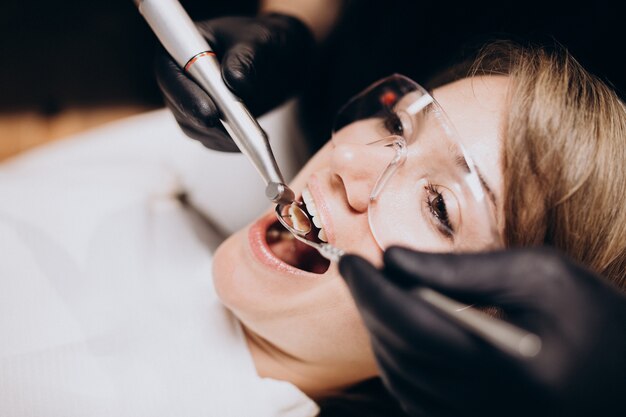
{"points": [[427, 194]]}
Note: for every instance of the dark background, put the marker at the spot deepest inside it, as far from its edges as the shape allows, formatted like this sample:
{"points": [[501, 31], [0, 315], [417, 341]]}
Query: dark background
{"points": [[56, 54], [72, 53]]}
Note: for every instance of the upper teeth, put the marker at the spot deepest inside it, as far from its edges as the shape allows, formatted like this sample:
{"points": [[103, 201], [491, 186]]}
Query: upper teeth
{"points": [[312, 209]]}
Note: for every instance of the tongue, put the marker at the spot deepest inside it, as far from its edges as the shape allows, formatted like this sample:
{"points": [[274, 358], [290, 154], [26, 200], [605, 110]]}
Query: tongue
{"points": [[298, 254]]}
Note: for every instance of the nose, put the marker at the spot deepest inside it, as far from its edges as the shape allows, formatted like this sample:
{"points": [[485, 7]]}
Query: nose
{"points": [[359, 166]]}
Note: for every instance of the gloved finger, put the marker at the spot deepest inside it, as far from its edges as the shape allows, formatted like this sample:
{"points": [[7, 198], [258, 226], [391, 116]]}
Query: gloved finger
{"points": [[414, 401], [215, 138], [183, 96], [268, 64], [439, 376], [425, 389], [218, 33], [401, 317], [239, 70], [243, 70], [422, 406], [506, 278], [416, 377], [246, 69]]}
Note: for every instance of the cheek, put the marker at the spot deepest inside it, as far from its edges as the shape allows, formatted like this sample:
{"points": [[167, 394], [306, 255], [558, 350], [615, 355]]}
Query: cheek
{"points": [[241, 285], [345, 331], [325, 327], [342, 339]]}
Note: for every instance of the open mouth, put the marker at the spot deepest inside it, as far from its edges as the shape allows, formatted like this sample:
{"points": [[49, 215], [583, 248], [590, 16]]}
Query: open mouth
{"points": [[293, 252]]}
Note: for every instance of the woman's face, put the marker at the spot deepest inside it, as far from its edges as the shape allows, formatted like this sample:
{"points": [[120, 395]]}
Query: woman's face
{"points": [[309, 318]]}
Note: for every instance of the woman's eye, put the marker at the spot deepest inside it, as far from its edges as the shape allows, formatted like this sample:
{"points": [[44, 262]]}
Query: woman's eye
{"points": [[436, 204], [393, 123]]}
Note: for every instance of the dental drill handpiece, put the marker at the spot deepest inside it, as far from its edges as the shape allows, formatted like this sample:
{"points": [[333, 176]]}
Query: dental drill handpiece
{"points": [[179, 36]]}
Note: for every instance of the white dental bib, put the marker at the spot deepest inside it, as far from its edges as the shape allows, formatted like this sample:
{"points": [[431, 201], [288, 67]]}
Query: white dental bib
{"points": [[107, 305]]}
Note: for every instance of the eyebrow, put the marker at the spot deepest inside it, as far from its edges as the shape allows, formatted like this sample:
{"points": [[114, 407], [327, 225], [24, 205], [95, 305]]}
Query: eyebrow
{"points": [[461, 162]]}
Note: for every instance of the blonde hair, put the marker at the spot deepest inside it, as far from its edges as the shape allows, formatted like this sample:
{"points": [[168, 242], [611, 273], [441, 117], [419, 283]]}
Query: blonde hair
{"points": [[564, 158]]}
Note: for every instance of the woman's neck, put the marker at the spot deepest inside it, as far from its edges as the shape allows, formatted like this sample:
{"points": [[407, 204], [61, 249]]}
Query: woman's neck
{"points": [[316, 380]]}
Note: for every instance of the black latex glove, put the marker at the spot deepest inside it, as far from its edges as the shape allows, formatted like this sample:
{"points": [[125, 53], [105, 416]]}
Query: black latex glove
{"points": [[436, 368], [264, 59]]}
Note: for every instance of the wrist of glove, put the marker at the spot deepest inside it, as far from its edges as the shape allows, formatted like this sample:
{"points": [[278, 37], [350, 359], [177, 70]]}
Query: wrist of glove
{"points": [[264, 60], [437, 368]]}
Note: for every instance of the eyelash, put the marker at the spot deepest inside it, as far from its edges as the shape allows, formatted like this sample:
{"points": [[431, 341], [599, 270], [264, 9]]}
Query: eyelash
{"points": [[392, 123], [432, 203]]}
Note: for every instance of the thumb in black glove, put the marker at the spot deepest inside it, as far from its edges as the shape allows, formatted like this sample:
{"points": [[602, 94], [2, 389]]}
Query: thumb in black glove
{"points": [[437, 368], [263, 59]]}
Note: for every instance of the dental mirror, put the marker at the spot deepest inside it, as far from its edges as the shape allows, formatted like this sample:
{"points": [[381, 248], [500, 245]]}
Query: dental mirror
{"points": [[294, 218], [298, 223]]}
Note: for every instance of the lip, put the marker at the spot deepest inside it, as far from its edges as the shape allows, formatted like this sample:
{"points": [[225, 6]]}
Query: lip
{"points": [[323, 209], [262, 252]]}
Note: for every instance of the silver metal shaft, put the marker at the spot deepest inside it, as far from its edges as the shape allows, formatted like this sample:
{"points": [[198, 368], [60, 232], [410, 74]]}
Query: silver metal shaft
{"points": [[179, 36], [499, 333]]}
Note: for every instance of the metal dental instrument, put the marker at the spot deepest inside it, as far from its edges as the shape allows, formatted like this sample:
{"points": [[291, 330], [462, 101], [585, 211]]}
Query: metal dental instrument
{"points": [[502, 334], [179, 36]]}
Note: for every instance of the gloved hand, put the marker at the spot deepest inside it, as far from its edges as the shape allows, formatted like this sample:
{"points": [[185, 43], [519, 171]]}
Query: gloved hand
{"points": [[434, 367], [264, 59]]}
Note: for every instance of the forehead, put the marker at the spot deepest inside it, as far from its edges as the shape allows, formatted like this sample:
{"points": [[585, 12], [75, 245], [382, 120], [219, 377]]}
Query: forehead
{"points": [[476, 106]]}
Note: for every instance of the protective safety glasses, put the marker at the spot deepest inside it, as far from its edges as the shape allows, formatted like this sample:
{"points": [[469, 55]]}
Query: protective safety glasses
{"points": [[426, 192]]}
